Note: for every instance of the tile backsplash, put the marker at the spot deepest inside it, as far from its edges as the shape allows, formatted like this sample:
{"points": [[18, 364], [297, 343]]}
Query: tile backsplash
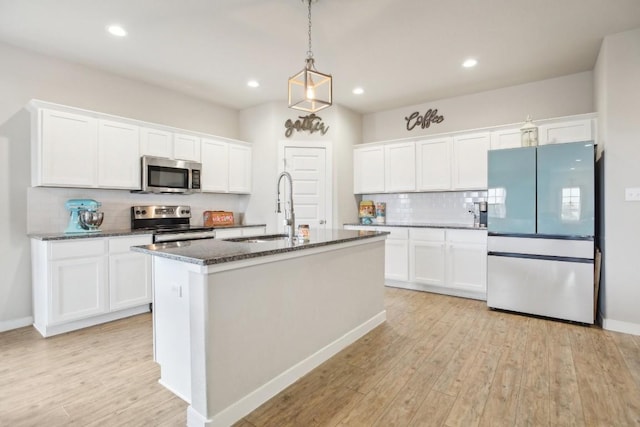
{"points": [[46, 212], [436, 208]]}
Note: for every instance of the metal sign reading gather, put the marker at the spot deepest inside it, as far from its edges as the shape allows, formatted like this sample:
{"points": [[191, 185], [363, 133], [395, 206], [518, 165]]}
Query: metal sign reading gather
{"points": [[310, 123], [424, 121]]}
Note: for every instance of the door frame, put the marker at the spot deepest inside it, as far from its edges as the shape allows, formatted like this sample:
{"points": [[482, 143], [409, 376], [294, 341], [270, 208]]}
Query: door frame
{"points": [[327, 146]]}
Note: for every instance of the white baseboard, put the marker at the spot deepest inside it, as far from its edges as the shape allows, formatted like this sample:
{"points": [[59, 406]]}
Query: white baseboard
{"points": [[7, 325], [253, 400], [437, 289], [619, 326]]}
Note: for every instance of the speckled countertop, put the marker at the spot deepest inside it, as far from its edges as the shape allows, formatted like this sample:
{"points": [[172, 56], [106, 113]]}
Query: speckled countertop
{"points": [[421, 225], [215, 251], [115, 233]]}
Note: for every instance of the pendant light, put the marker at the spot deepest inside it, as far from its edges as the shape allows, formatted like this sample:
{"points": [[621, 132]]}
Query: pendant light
{"points": [[310, 90]]}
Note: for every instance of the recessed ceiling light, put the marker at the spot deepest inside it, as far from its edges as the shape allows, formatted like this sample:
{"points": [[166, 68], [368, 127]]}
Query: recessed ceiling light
{"points": [[116, 30], [253, 83], [470, 63], [358, 91]]}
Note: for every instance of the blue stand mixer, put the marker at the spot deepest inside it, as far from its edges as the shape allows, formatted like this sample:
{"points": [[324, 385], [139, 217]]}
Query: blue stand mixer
{"points": [[84, 216]]}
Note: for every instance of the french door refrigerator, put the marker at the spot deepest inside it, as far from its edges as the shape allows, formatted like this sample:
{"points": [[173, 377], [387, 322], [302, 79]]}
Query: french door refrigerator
{"points": [[541, 207]]}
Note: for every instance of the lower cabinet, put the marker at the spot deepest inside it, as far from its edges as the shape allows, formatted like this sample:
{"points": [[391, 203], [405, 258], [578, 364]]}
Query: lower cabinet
{"points": [[87, 281], [447, 261]]}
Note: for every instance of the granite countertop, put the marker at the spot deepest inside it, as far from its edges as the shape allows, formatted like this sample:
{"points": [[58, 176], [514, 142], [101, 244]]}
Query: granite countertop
{"points": [[115, 233], [216, 251], [422, 225]]}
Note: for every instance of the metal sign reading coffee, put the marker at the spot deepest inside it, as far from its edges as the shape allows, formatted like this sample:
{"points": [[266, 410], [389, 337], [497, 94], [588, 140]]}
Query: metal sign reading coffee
{"points": [[310, 123], [424, 121]]}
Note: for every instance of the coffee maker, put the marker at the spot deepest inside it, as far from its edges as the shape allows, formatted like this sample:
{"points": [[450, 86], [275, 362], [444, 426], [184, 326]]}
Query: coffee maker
{"points": [[83, 216]]}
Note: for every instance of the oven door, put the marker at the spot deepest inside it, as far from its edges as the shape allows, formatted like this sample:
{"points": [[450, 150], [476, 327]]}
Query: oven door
{"points": [[169, 176]]}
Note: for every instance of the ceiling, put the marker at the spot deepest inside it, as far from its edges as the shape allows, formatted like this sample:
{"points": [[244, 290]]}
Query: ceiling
{"points": [[401, 52]]}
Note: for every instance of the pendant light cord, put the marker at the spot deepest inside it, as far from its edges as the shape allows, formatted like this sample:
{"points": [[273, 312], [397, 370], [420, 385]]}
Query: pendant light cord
{"points": [[309, 52]]}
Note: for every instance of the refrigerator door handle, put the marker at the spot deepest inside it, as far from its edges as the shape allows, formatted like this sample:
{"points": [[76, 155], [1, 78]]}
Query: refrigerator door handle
{"points": [[542, 257]]}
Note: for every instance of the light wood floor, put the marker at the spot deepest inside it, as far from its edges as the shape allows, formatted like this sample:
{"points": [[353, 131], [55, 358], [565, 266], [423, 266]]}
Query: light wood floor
{"points": [[438, 360]]}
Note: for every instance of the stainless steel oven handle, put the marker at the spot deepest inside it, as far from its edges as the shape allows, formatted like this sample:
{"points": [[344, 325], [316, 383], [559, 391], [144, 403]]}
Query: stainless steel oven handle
{"points": [[174, 237]]}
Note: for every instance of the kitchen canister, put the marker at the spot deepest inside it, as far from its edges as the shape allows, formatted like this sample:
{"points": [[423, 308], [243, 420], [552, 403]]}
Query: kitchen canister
{"points": [[303, 232], [381, 208]]}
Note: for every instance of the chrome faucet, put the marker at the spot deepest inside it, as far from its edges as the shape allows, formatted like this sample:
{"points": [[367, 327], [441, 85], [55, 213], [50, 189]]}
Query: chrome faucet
{"points": [[289, 216]]}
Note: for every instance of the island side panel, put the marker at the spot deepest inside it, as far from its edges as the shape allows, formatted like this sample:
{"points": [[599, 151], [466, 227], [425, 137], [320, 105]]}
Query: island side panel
{"points": [[268, 324]]}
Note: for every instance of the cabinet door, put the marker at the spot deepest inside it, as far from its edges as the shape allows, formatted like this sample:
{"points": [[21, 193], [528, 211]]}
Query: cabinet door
{"points": [[507, 138], [368, 170], [573, 131], [215, 166], [118, 155], [470, 161], [400, 167], [239, 169], [428, 262], [434, 164], [396, 259], [186, 147], [69, 146], [467, 260], [129, 280], [78, 289], [156, 142]]}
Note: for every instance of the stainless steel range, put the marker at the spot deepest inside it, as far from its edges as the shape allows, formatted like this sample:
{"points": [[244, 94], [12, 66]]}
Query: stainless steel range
{"points": [[168, 223]]}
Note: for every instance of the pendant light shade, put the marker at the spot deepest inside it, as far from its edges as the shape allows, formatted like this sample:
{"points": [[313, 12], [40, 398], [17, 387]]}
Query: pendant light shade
{"points": [[310, 90]]}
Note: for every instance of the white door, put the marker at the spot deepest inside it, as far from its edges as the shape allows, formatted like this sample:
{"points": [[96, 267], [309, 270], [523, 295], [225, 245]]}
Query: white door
{"points": [[308, 168]]}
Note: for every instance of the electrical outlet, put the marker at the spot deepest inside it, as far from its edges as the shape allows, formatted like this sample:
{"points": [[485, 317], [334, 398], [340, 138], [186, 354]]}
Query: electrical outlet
{"points": [[632, 194]]}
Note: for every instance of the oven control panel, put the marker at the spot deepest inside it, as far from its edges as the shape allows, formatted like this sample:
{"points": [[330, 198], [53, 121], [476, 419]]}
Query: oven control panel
{"points": [[156, 212]]}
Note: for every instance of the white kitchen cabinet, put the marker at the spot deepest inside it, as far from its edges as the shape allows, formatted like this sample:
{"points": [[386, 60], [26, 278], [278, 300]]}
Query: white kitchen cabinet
{"points": [[470, 161], [118, 155], [87, 281], [230, 233], [506, 138], [240, 164], [64, 149], [400, 167], [433, 158], [368, 170], [396, 251], [215, 166], [129, 272], [427, 253], [467, 260], [156, 142], [186, 147], [567, 131]]}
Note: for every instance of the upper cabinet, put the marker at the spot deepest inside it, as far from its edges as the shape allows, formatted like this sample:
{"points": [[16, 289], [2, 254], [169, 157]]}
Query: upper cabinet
{"points": [[470, 161], [506, 138], [226, 166], [71, 147], [400, 167], [368, 169], [570, 131], [433, 159]]}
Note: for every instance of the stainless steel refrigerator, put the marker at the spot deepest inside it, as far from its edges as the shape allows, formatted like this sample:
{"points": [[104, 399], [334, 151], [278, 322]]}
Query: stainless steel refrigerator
{"points": [[541, 219]]}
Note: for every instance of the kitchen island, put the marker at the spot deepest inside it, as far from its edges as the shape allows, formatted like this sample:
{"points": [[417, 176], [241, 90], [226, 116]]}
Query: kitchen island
{"points": [[236, 322]]}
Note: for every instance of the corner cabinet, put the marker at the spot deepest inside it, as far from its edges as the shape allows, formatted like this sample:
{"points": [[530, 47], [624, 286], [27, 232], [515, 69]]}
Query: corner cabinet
{"points": [[226, 166], [368, 169], [86, 281], [396, 251]]}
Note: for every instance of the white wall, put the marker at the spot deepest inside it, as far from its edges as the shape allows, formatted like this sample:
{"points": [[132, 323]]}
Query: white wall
{"points": [[25, 75], [263, 126], [562, 96], [618, 100]]}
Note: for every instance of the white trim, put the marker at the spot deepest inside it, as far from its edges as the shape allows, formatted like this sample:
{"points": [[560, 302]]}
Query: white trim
{"points": [[619, 326], [328, 147], [8, 325], [443, 290], [48, 331], [253, 400]]}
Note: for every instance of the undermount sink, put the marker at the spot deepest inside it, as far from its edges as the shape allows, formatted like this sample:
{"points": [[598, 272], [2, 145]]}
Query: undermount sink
{"points": [[259, 239]]}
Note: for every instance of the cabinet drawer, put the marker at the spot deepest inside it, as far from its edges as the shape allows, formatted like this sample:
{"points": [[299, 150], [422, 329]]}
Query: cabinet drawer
{"points": [[81, 248], [123, 244], [428, 234], [467, 236], [394, 232]]}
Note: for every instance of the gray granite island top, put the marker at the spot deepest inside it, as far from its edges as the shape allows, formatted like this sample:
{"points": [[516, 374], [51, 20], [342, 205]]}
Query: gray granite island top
{"points": [[215, 251]]}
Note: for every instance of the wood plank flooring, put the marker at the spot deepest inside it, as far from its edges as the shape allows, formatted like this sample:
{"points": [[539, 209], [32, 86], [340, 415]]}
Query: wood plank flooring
{"points": [[437, 361]]}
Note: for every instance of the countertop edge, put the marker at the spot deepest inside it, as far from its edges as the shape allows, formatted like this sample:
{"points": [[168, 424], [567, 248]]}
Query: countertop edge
{"points": [[426, 225]]}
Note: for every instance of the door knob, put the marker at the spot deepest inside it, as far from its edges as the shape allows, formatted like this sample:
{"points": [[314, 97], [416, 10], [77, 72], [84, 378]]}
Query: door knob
{"points": [[322, 221]]}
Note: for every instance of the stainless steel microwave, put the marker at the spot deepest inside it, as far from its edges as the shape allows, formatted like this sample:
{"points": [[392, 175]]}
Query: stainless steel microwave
{"points": [[160, 175]]}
